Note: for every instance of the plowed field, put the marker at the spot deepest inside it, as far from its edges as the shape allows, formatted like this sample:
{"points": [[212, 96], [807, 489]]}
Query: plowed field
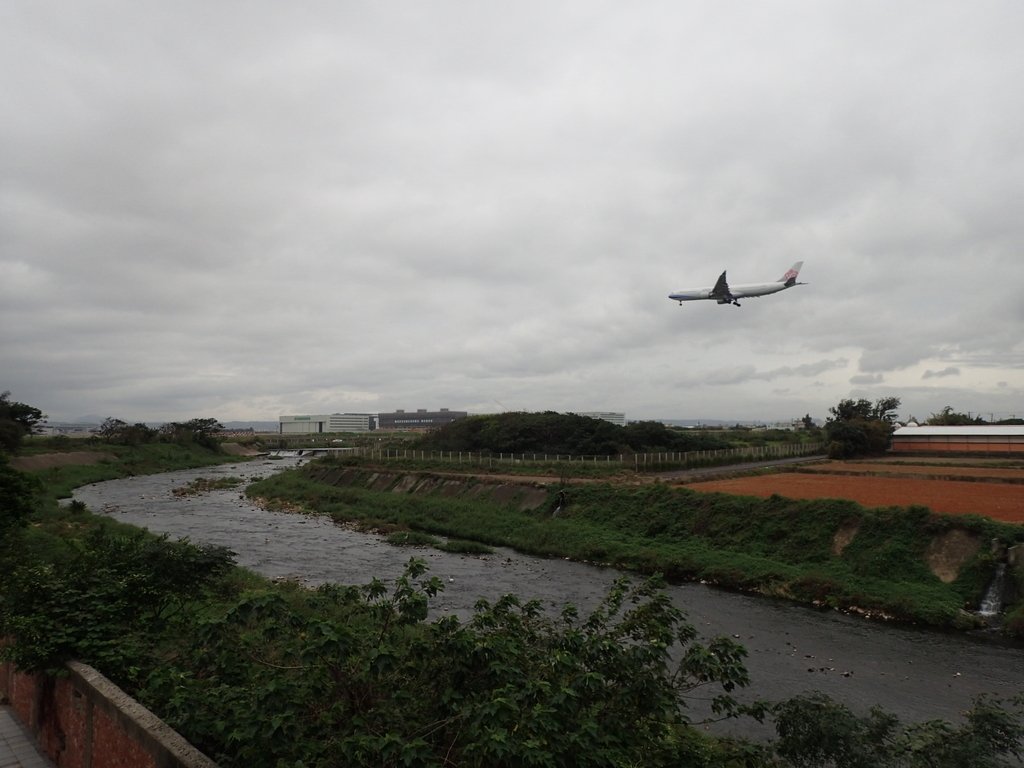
{"points": [[944, 471], [1000, 501]]}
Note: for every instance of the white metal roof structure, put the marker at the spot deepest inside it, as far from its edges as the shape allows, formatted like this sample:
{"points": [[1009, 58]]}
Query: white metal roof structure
{"points": [[995, 430], [969, 439]]}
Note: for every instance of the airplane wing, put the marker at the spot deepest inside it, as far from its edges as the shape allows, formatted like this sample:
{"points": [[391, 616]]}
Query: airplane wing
{"points": [[721, 289]]}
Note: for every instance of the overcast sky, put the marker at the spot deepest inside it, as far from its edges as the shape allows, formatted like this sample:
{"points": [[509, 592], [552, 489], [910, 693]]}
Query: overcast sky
{"points": [[247, 209]]}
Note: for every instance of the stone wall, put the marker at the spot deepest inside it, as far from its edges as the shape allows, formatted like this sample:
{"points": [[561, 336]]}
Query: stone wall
{"points": [[83, 720]]}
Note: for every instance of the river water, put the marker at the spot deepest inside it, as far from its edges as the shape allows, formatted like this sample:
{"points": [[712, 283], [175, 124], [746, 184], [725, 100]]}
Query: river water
{"points": [[918, 675]]}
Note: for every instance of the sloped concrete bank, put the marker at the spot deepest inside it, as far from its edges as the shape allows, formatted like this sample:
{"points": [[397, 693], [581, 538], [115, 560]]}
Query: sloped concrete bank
{"points": [[523, 496]]}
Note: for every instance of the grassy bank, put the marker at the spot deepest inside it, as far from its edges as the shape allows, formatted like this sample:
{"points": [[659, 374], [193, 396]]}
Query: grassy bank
{"points": [[829, 553], [262, 674], [266, 674], [125, 461]]}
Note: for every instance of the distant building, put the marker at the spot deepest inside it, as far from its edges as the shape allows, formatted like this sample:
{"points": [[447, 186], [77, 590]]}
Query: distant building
{"points": [[334, 422], [973, 439], [613, 417], [418, 420], [61, 428]]}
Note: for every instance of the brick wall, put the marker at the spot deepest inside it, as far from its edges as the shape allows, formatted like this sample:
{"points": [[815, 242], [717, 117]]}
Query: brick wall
{"points": [[85, 721]]}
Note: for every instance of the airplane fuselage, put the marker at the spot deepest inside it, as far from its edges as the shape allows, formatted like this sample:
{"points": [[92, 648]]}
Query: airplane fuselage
{"points": [[724, 293], [737, 292]]}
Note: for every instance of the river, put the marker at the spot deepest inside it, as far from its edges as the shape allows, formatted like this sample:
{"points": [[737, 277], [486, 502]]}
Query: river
{"points": [[916, 674]]}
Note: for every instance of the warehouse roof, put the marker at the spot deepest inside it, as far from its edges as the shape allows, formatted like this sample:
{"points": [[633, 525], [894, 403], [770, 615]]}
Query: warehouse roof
{"points": [[1001, 430]]}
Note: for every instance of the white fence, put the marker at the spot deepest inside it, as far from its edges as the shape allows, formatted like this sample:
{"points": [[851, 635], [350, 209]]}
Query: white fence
{"points": [[638, 461]]}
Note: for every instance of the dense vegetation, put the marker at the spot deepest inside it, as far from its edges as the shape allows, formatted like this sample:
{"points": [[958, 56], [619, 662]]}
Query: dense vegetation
{"points": [[861, 428], [948, 417], [201, 431], [17, 421], [258, 674], [562, 433], [773, 546], [125, 461]]}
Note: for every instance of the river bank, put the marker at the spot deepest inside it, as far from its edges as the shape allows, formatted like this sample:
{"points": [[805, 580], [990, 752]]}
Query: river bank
{"points": [[916, 674], [891, 564]]}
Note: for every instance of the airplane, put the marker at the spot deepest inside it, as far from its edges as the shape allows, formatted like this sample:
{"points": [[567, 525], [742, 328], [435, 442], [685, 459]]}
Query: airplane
{"points": [[724, 294]]}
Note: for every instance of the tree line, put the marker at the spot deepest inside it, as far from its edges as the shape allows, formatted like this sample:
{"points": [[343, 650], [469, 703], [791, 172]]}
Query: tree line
{"points": [[549, 432], [857, 428], [201, 432], [261, 674]]}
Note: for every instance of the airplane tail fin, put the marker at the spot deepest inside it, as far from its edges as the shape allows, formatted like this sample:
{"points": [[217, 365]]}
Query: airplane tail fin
{"points": [[790, 277]]}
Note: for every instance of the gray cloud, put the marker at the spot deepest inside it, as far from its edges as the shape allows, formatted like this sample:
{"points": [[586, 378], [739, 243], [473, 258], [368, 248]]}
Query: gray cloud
{"points": [[352, 208], [950, 370], [867, 378]]}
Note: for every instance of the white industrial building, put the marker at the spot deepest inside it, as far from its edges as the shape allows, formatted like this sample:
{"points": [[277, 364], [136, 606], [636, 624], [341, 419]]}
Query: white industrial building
{"points": [[966, 440], [333, 422], [612, 416]]}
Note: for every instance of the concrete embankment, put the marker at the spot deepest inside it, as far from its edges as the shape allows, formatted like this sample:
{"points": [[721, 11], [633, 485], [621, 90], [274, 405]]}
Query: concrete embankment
{"points": [[521, 495]]}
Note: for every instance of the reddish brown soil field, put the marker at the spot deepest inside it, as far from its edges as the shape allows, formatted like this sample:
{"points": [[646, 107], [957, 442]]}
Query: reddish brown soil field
{"points": [[932, 470], [999, 501]]}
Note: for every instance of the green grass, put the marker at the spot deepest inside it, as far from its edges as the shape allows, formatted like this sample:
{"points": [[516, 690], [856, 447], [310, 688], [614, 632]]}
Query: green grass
{"points": [[52, 525], [59, 482], [206, 484], [775, 546]]}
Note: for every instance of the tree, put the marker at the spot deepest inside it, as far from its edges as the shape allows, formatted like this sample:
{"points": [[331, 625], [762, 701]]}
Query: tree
{"points": [[116, 431], [110, 429], [17, 496], [947, 417], [16, 421], [860, 427], [816, 732], [198, 431]]}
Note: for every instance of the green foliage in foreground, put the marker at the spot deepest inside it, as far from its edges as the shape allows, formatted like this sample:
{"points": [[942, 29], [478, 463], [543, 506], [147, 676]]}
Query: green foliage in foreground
{"points": [[816, 732], [263, 675], [773, 546], [17, 497], [104, 597]]}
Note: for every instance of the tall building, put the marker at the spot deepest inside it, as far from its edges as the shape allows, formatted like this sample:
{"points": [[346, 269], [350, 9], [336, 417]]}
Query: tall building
{"points": [[612, 416], [420, 419]]}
